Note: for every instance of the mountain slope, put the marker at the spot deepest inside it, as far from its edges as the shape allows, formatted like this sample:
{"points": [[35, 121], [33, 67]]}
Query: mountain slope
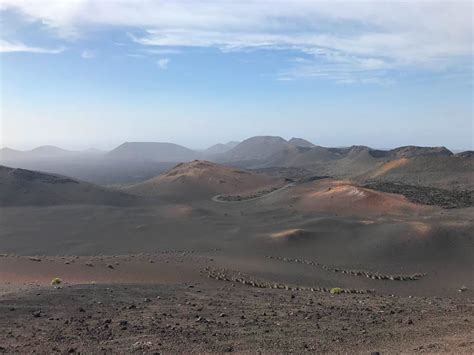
{"points": [[201, 179], [294, 156], [444, 171], [411, 151], [7, 154], [300, 142], [220, 148], [258, 147], [19, 187], [50, 151], [45, 152], [152, 151]]}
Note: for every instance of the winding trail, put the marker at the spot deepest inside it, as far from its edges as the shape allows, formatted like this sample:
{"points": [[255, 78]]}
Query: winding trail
{"points": [[216, 198]]}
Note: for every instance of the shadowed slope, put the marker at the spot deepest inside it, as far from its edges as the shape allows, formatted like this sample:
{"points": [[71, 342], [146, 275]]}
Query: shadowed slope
{"points": [[19, 187]]}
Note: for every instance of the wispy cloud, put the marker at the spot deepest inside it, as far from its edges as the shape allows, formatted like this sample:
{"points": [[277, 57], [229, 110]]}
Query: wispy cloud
{"points": [[7, 46], [340, 36], [163, 51], [163, 63]]}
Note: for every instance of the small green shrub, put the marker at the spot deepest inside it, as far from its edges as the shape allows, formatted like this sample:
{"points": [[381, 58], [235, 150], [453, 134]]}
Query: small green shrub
{"points": [[336, 290], [56, 281]]}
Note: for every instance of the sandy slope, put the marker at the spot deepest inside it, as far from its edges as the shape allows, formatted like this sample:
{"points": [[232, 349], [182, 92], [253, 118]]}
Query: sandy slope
{"points": [[345, 198]]}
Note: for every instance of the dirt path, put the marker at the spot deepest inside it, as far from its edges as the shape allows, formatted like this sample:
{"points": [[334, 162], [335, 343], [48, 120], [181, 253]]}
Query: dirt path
{"points": [[216, 198]]}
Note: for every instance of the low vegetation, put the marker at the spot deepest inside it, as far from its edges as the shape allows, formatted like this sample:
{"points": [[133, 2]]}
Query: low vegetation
{"points": [[56, 281]]}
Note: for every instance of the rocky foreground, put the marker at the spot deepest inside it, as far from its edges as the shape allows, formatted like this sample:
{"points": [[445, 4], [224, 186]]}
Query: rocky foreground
{"points": [[217, 316]]}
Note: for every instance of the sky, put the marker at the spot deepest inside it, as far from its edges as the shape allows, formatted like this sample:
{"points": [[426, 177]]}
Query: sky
{"points": [[80, 74]]}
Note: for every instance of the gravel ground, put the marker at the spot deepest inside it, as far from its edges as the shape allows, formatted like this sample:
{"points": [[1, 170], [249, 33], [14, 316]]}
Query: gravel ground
{"points": [[216, 316]]}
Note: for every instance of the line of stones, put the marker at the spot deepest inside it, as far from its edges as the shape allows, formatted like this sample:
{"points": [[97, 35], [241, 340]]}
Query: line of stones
{"points": [[225, 275], [368, 274]]}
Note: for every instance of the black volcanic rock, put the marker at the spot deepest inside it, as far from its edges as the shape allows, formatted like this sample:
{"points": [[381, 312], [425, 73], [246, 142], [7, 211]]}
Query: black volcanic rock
{"points": [[411, 151]]}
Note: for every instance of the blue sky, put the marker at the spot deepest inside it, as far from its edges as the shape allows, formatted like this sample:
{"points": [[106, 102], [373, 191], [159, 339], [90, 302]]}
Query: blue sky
{"points": [[83, 73]]}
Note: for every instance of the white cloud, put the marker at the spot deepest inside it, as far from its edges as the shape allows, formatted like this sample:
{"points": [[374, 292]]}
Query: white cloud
{"points": [[88, 54], [7, 46], [163, 63], [371, 35], [161, 51]]}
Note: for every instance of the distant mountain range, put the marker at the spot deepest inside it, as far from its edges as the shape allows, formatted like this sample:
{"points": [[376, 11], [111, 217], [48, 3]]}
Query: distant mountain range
{"points": [[44, 152], [137, 161], [254, 148]]}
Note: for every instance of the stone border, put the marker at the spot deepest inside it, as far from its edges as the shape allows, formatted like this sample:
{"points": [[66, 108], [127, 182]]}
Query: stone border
{"points": [[363, 273], [238, 277]]}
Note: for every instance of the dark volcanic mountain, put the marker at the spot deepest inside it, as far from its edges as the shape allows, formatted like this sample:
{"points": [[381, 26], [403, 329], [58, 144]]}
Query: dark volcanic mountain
{"points": [[19, 187], [444, 171], [300, 142], [153, 151], [295, 156], [466, 154], [430, 166], [411, 151], [220, 148], [259, 147]]}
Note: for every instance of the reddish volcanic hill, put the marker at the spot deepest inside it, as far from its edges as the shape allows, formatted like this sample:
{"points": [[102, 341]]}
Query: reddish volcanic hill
{"points": [[202, 179], [344, 198]]}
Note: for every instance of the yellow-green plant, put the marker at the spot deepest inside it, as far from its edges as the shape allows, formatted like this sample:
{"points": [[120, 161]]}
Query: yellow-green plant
{"points": [[56, 281]]}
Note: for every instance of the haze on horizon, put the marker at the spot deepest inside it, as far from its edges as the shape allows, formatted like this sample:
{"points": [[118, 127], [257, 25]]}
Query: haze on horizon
{"points": [[95, 74]]}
